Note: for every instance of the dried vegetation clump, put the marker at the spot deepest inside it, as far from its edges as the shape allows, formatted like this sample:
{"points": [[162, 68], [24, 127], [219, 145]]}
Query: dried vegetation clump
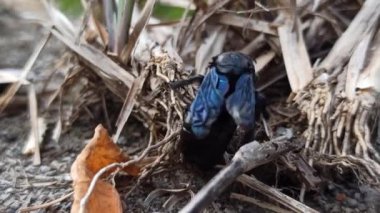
{"points": [[319, 56]]}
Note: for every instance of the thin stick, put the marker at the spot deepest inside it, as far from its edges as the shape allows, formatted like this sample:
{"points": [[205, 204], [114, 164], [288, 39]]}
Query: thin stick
{"points": [[11, 91], [46, 205], [129, 103], [248, 157], [33, 112], [274, 194], [105, 111], [259, 203]]}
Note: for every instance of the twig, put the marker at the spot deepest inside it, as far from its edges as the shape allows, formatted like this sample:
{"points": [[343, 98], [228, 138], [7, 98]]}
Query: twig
{"points": [[259, 203], [129, 103], [274, 194], [248, 157], [11, 91], [33, 112], [105, 111], [46, 205], [302, 192]]}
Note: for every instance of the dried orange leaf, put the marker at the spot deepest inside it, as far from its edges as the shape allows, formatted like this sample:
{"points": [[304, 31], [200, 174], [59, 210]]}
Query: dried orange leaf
{"points": [[104, 198], [100, 152]]}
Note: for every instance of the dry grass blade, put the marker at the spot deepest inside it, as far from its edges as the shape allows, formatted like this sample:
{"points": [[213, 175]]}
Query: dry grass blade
{"points": [[100, 63], [370, 77], [11, 91], [356, 65], [295, 56], [93, 23], [263, 60], [316, 5], [293, 5], [59, 20], [33, 112], [57, 131], [364, 21], [210, 11], [85, 20], [109, 8], [182, 24], [140, 25], [198, 20], [129, 103], [246, 23], [30, 143], [254, 45], [210, 47], [122, 36], [8, 76]]}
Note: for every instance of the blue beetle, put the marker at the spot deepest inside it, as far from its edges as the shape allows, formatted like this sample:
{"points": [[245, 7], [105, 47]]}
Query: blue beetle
{"points": [[226, 99]]}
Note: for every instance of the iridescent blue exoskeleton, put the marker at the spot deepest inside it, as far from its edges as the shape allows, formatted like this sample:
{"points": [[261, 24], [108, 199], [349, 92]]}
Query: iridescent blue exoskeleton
{"points": [[226, 99]]}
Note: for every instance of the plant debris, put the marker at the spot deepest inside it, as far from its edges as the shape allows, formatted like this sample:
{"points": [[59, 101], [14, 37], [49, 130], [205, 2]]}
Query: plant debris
{"points": [[316, 62]]}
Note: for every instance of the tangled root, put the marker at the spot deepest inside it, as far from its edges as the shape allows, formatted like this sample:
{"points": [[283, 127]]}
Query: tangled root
{"points": [[158, 106], [340, 129]]}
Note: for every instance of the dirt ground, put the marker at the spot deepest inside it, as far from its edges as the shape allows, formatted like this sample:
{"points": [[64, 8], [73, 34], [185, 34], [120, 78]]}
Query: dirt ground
{"points": [[22, 184]]}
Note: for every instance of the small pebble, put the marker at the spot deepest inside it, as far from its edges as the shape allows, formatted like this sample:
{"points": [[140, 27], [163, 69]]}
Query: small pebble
{"points": [[362, 207], [44, 169], [357, 196], [4, 196], [331, 186], [9, 190], [352, 203], [14, 205], [335, 209], [340, 197], [347, 210]]}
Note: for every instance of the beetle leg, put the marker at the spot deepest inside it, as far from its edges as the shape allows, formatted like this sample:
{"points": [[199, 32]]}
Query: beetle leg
{"points": [[181, 83]]}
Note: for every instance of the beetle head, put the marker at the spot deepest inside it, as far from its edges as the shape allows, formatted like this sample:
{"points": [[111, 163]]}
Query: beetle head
{"points": [[235, 63]]}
